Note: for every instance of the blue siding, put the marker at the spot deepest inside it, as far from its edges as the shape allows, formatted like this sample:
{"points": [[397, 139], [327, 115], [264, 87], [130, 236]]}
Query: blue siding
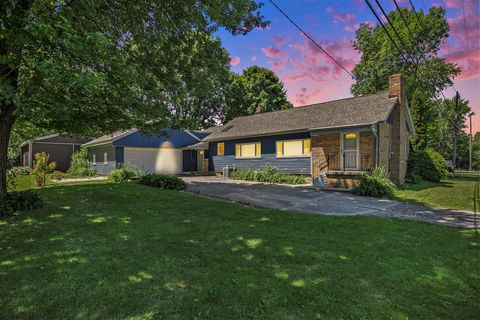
{"points": [[174, 138], [287, 165], [119, 154]]}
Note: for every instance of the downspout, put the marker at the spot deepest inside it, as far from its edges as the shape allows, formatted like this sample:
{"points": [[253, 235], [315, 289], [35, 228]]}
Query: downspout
{"points": [[374, 128], [30, 155]]}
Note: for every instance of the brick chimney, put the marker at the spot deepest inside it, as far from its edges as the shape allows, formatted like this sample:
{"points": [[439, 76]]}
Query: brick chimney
{"points": [[396, 87], [399, 135]]}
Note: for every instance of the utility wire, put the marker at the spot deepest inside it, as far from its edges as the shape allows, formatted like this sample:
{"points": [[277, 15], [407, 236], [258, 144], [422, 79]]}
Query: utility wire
{"points": [[310, 38], [391, 39], [415, 40], [421, 26]]}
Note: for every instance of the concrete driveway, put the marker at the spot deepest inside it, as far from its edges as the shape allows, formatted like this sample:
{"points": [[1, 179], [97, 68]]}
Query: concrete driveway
{"points": [[311, 200]]}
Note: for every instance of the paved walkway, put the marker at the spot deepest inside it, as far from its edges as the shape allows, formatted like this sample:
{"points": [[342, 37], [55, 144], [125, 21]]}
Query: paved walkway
{"points": [[307, 199], [68, 180]]}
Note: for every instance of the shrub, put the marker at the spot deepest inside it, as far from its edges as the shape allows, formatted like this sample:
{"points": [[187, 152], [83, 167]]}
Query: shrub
{"points": [[79, 165], [163, 181], [19, 201], [427, 164], [11, 182], [268, 174], [122, 175], [41, 167], [21, 171], [376, 183], [58, 175]]}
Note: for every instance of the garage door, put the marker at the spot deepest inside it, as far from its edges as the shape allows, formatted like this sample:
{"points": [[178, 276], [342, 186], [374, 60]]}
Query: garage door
{"points": [[150, 160]]}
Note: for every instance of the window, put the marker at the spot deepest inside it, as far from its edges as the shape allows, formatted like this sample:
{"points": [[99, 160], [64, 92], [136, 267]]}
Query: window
{"points": [[248, 150], [105, 158], [94, 159], [293, 148], [220, 149]]}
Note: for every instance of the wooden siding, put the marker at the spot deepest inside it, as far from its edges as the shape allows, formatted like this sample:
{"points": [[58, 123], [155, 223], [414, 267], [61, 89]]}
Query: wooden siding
{"points": [[298, 165], [59, 152], [287, 165]]}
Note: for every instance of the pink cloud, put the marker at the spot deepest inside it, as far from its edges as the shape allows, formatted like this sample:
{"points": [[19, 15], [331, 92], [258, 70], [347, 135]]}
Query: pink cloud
{"points": [[279, 41], [275, 53], [253, 58], [235, 61], [344, 18], [453, 3]]}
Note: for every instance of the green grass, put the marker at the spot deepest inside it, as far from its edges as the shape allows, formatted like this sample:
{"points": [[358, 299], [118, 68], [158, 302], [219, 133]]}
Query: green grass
{"points": [[452, 193], [126, 251]]}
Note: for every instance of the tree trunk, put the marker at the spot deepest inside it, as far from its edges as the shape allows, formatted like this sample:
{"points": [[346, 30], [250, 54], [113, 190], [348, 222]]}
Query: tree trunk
{"points": [[6, 123]]}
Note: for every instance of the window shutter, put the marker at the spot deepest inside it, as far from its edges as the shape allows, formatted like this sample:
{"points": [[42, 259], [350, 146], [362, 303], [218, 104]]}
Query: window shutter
{"points": [[279, 148], [306, 146], [258, 149]]}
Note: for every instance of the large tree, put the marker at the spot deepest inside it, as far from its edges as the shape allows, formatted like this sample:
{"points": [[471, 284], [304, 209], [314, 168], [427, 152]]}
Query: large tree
{"points": [[256, 87], [425, 119], [95, 66], [380, 58]]}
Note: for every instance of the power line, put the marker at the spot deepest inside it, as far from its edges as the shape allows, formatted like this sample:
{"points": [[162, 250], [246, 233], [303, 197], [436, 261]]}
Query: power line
{"points": [[421, 26], [311, 39], [415, 40], [391, 38]]}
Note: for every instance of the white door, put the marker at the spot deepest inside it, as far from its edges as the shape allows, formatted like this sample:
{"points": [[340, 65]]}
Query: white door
{"points": [[350, 146]]}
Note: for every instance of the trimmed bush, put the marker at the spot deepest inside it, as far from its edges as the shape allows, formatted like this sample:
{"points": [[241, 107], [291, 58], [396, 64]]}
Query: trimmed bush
{"points": [[122, 175], [376, 183], [79, 165], [268, 174], [20, 201], [21, 171], [427, 164], [163, 181]]}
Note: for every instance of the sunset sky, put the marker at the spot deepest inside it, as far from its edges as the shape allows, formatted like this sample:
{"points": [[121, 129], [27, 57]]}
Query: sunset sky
{"points": [[310, 76]]}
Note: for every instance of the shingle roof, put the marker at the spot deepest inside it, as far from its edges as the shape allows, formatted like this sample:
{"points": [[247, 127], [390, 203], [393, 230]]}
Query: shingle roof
{"points": [[108, 137], [363, 110]]}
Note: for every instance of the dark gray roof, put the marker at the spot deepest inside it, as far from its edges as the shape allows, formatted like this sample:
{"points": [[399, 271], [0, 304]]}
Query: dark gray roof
{"points": [[356, 111]]}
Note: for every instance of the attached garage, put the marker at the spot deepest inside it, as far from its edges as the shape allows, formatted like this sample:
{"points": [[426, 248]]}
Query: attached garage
{"points": [[148, 153], [150, 160]]}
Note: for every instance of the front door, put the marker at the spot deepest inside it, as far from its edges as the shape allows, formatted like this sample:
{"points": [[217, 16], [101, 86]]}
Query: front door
{"points": [[200, 157], [350, 146]]}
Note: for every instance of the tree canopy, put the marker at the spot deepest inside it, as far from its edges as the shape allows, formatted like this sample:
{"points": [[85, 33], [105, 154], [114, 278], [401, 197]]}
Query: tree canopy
{"points": [[88, 67], [256, 87], [380, 58]]}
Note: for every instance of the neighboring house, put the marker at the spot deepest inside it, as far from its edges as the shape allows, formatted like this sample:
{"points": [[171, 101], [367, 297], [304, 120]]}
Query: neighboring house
{"points": [[336, 140], [60, 147], [175, 151]]}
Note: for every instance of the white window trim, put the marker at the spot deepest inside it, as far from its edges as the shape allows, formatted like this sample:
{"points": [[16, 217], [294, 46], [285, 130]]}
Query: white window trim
{"points": [[105, 158], [254, 143], [358, 150], [94, 159], [303, 147]]}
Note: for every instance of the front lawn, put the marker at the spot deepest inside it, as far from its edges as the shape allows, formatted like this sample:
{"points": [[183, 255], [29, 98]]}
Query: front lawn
{"points": [[452, 193], [116, 251]]}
